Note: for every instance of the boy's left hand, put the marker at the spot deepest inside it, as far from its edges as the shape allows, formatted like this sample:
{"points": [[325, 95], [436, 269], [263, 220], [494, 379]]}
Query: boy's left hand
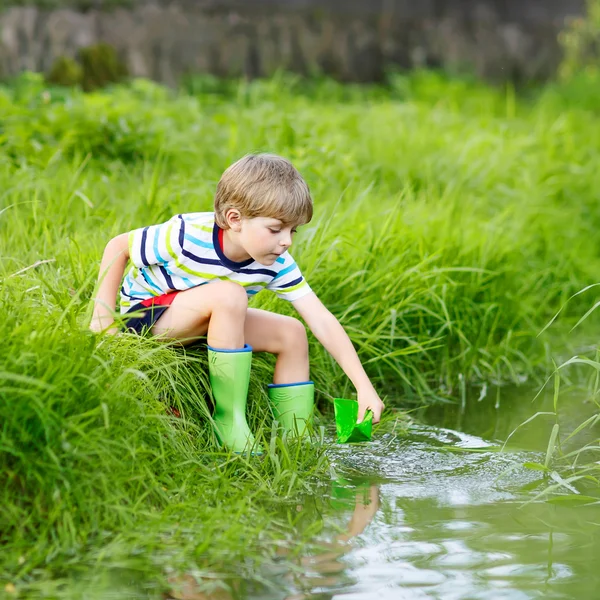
{"points": [[369, 399]]}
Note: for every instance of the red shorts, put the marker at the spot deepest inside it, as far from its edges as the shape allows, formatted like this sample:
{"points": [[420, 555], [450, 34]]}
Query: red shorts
{"points": [[148, 312]]}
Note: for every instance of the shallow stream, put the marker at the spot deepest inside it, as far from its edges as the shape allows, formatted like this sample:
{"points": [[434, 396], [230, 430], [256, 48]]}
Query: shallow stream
{"points": [[436, 511]]}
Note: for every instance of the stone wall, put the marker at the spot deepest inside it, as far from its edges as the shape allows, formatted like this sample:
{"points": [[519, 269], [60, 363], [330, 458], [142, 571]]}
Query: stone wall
{"points": [[350, 39]]}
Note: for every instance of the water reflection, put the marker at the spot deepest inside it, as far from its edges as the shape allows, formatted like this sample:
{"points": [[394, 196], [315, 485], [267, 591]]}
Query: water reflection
{"points": [[323, 568], [326, 568]]}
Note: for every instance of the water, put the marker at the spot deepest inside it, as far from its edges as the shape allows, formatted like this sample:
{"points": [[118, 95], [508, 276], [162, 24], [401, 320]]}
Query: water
{"points": [[439, 512]]}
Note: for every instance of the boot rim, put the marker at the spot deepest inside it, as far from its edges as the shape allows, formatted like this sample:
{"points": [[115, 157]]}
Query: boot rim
{"points": [[246, 348], [280, 385]]}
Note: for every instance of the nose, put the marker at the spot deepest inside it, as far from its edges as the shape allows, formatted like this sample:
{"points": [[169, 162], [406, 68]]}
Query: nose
{"points": [[286, 240]]}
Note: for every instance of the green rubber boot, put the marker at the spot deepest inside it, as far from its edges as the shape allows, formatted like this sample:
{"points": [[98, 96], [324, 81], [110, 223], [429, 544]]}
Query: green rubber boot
{"points": [[292, 404], [229, 373]]}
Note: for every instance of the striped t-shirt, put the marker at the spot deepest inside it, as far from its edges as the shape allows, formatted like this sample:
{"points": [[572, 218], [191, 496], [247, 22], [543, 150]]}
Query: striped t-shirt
{"points": [[186, 251]]}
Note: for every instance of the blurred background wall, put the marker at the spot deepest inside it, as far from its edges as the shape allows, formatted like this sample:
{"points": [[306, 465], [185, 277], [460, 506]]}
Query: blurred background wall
{"points": [[353, 40]]}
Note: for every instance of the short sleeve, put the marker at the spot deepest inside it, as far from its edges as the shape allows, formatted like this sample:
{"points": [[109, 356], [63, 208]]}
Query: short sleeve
{"points": [[156, 244], [289, 283]]}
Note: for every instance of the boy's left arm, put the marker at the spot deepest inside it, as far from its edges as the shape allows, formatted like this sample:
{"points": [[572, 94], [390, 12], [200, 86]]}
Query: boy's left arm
{"points": [[328, 330]]}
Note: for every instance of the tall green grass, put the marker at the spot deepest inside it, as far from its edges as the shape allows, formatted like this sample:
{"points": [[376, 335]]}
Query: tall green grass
{"points": [[98, 470], [571, 466], [452, 220]]}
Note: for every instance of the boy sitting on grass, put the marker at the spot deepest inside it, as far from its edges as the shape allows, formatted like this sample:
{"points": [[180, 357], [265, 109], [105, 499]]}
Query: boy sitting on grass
{"points": [[192, 277]]}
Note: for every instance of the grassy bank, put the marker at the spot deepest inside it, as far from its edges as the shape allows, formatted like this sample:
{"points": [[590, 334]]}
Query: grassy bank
{"points": [[452, 220]]}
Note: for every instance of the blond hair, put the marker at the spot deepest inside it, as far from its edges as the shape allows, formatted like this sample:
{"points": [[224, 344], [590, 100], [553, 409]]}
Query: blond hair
{"points": [[263, 185]]}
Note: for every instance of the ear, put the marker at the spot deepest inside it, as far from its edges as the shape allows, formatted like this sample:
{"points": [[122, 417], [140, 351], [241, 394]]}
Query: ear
{"points": [[234, 219]]}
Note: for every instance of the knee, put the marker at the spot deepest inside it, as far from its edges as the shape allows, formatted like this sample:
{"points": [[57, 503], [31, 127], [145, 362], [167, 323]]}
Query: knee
{"points": [[228, 296], [293, 337]]}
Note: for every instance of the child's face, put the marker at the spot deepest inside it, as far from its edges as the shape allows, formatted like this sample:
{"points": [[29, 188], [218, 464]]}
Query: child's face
{"points": [[265, 238]]}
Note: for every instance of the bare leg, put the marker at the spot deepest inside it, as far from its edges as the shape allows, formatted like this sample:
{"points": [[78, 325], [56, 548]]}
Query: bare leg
{"points": [[220, 311], [217, 310], [283, 336]]}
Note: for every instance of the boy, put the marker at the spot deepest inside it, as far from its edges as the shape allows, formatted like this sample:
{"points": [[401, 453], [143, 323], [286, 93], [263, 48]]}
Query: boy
{"points": [[192, 276]]}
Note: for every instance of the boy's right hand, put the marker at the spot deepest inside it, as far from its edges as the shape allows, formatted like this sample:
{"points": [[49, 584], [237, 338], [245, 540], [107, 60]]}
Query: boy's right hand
{"points": [[103, 325], [369, 399]]}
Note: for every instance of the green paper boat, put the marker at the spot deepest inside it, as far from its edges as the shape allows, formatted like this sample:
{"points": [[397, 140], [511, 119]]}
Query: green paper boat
{"points": [[348, 430]]}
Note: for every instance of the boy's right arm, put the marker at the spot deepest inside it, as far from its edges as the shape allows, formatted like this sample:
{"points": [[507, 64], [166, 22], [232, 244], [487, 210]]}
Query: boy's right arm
{"points": [[112, 268]]}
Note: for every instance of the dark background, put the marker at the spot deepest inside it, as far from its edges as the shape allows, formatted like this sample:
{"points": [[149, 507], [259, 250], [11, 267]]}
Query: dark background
{"points": [[353, 40]]}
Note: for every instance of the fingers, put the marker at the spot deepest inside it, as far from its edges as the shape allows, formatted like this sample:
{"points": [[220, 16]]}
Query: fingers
{"points": [[370, 402], [377, 413], [361, 413], [106, 326]]}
